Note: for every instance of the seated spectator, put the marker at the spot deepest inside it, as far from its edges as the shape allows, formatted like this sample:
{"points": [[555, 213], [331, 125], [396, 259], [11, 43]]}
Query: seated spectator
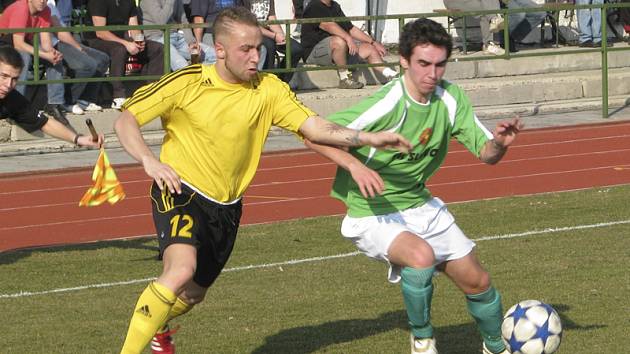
{"points": [[119, 45], [84, 61], [522, 23], [590, 24], [34, 14], [15, 106], [273, 37], [488, 24], [624, 15], [205, 11], [326, 43], [160, 12]]}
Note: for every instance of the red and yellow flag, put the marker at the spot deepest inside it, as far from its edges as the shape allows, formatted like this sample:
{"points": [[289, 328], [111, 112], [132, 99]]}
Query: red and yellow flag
{"points": [[106, 185]]}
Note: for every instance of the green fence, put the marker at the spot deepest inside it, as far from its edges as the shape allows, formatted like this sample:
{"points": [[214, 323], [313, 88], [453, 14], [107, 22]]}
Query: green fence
{"points": [[401, 18]]}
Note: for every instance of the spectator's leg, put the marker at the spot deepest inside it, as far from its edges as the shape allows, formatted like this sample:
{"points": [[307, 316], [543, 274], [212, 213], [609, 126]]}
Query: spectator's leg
{"points": [[118, 55], [521, 24], [270, 56], [209, 55], [81, 63], [262, 56], [28, 60], [584, 22], [178, 60], [297, 51], [596, 22], [101, 61], [56, 92], [155, 55]]}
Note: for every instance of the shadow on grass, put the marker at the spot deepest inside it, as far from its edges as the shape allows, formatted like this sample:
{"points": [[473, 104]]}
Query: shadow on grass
{"points": [[462, 338], [309, 339], [8, 257]]}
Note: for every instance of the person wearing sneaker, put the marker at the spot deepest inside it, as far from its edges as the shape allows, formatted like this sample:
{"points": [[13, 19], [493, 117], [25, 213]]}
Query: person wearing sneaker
{"points": [[391, 215], [85, 62], [197, 189], [590, 24], [15, 106], [488, 24], [521, 23], [34, 14], [119, 45], [340, 43]]}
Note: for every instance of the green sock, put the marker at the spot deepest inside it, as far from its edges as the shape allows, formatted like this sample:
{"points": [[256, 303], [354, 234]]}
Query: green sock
{"points": [[417, 291], [486, 309]]}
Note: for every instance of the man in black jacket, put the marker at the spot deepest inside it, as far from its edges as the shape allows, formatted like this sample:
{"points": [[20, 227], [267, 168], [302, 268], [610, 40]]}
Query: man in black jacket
{"points": [[15, 106]]}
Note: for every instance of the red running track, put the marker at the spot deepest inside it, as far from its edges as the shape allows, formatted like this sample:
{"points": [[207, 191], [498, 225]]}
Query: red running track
{"points": [[42, 209]]}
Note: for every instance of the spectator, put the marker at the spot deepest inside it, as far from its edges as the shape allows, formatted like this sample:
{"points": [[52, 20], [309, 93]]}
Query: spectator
{"points": [[326, 43], [590, 24], [159, 12], [119, 45], [205, 11], [15, 106], [624, 14], [488, 24], [84, 61], [35, 14], [274, 38], [522, 23]]}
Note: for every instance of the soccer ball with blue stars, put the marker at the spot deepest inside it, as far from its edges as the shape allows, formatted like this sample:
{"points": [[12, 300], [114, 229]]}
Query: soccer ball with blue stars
{"points": [[531, 327]]}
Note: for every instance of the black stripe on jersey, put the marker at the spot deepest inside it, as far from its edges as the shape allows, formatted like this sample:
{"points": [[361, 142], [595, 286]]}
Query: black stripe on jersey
{"points": [[151, 89]]}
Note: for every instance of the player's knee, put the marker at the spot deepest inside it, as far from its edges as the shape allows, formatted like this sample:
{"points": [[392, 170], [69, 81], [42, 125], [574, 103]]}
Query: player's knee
{"points": [[480, 284], [422, 256]]}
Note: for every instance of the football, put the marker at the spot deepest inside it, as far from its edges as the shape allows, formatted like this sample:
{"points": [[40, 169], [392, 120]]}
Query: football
{"points": [[531, 327]]}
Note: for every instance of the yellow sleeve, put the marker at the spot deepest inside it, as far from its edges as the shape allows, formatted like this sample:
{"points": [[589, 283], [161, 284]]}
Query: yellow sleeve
{"points": [[159, 98], [289, 112]]}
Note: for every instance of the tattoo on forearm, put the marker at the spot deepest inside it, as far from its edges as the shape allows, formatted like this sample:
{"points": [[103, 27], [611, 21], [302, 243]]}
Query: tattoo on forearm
{"points": [[351, 136], [354, 139]]}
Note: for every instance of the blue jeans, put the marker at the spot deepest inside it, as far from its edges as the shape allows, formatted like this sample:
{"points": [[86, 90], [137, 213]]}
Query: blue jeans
{"points": [[589, 21], [85, 63], [521, 24], [53, 72], [180, 55]]}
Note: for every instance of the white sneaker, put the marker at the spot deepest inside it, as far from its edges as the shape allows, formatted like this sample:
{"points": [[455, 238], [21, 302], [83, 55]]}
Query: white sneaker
{"points": [[73, 108], [89, 106], [423, 345], [118, 102], [496, 24], [493, 48], [486, 351]]}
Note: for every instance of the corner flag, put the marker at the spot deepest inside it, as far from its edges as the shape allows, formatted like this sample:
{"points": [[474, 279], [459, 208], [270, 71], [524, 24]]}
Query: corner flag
{"points": [[106, 185]]}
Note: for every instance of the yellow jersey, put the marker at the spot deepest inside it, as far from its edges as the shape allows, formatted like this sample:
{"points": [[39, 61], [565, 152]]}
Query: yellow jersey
{"points": [[215, 130]]}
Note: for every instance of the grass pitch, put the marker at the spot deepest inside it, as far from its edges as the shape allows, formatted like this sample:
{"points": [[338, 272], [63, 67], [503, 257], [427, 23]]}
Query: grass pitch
{"points": [[571, 250]]}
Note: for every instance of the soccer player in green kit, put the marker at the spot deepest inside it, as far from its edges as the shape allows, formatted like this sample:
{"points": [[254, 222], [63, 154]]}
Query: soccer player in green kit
{"points": [[391, 214]]}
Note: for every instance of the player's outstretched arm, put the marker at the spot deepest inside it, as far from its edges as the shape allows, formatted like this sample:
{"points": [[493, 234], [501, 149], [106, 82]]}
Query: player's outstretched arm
{"points": [[321, 131], [128, 132], [504, 135], [369, 181]]}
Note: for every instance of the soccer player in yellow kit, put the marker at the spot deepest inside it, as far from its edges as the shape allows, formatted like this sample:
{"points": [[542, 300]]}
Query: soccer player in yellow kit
{"points": [[216, 119]]}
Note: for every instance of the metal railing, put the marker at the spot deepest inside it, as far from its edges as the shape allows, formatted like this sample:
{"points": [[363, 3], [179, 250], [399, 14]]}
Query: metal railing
{"points": [[401, 18]]}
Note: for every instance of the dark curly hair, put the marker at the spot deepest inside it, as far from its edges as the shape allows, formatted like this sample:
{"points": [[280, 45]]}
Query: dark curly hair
{"points": [[424, 31]]}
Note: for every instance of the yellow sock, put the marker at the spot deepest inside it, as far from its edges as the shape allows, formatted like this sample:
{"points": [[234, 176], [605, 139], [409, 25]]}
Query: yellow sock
{"points": [[179, 308], [150, 314]]}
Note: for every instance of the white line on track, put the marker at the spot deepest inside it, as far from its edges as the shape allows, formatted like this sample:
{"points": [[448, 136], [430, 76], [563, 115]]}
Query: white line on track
{"points": [[310, 260]]}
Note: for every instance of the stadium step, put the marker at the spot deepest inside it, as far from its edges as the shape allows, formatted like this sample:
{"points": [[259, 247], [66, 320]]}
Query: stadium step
{"points": [[525, 86]]}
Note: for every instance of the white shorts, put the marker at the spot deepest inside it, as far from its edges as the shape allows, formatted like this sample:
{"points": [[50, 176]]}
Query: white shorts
{"points": [[432, 221]]}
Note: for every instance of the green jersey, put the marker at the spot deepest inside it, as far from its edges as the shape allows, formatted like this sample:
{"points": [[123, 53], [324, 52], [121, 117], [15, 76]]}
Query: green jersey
{"points": [[429, 127]]}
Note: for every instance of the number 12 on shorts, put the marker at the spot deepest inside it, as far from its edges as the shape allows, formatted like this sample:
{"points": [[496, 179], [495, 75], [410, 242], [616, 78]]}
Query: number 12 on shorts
{"points": [[182, 230]]}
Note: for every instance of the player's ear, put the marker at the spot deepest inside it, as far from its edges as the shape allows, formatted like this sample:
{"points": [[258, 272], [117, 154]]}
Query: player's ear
{"points": [[404, 62], [219, 49]]}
